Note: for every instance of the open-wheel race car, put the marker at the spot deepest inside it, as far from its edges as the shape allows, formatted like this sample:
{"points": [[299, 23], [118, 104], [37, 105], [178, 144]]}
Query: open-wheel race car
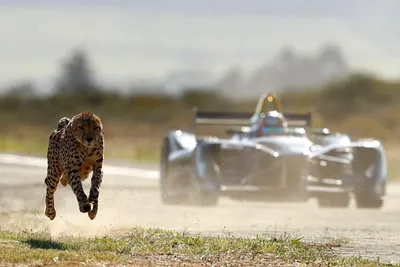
{"points": [[271, 156]]}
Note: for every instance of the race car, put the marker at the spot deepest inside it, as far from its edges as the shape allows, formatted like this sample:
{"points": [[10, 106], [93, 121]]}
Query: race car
{"points": [[270, 158]]}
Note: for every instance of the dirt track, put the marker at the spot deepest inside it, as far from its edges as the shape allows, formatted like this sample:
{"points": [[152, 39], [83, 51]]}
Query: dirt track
{"points": [[128, 202]]}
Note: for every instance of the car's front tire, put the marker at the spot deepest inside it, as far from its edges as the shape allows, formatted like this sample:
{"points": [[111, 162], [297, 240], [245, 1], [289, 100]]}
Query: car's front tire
{"points": [[180, 190], [366, 197], [166, 197]]}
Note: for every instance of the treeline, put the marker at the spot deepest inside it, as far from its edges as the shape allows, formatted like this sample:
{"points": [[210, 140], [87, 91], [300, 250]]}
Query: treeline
{"points": [[361, 104]]}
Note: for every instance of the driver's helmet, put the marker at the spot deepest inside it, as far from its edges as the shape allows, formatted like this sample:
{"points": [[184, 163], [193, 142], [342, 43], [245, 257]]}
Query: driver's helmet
{"points": [[271, 123]]}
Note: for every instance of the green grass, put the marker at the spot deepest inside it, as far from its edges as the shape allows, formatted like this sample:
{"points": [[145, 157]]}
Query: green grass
{"points": [[123, 148], [141, 246], [32, 146]]}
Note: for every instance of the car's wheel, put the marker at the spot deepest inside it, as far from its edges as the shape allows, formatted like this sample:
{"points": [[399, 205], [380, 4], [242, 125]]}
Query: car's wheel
{"points": [[366, 198], [199, 195], [166, 197], [334, 200], [369, 203]]}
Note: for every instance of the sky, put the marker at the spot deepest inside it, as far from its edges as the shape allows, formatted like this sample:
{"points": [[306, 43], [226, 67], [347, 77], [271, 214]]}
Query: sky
{"points": [[149, 39]]}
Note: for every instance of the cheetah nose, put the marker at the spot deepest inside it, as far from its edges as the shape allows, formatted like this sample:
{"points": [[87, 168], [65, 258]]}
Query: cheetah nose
{"points": [[89, 139]]}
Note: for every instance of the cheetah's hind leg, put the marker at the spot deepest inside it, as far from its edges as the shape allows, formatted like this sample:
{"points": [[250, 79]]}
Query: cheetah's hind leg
{"points": [[52, 180]]}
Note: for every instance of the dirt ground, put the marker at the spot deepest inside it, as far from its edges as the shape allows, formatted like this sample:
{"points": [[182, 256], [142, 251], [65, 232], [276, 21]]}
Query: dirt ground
{"points": [[128, 202]]}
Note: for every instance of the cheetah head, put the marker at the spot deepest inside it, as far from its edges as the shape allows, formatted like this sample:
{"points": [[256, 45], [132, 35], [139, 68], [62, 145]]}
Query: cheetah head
{"points": [[87, 128]]}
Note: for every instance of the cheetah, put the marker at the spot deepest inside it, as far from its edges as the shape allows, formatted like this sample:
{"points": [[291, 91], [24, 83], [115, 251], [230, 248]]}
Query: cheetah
{"points": [[76, 148]]}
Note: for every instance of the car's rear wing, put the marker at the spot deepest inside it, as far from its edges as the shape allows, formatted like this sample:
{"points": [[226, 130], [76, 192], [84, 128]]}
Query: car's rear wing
{"points": [[244, 118]]}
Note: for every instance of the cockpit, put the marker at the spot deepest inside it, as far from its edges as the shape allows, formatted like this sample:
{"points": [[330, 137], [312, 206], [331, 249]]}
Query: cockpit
{"points": [[271, 123]]}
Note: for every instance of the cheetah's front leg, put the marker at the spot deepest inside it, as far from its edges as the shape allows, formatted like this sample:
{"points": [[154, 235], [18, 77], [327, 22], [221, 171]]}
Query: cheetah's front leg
{"points": [[94, 189], [76, 186]]}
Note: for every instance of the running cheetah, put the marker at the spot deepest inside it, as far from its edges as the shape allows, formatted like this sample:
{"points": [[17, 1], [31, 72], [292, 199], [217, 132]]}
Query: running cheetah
{"points": [[75, 149]]}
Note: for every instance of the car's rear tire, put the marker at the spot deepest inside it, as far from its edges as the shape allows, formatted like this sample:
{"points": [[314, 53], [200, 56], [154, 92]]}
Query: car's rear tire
{"points": [[334, 200]]}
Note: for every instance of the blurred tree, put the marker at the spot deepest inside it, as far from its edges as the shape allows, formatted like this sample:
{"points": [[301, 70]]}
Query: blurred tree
{"points": [[22, 90], [292, 71], [285, 58], [76, 74], [331, 62], [232, 82]]}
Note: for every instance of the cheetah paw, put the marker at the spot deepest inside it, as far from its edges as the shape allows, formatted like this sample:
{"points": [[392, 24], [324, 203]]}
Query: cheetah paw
{"points": [[50, 215], [92, 214], [86, 207]]}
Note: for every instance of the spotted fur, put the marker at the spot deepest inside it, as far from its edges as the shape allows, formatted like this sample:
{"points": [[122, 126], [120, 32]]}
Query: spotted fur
{"points": [[75, 149]]}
